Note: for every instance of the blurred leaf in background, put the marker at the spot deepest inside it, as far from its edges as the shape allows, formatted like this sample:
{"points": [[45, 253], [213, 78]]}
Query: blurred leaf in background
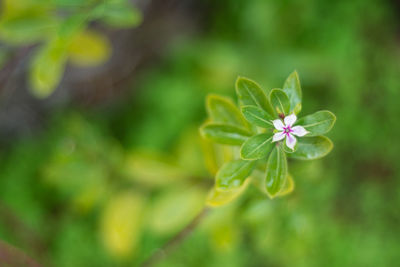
{"points": [[59, 29], [89, 49], [121, 223]]}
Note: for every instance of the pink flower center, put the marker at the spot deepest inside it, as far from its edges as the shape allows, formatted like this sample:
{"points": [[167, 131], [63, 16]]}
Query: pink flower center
{"points": [[287, 130]]}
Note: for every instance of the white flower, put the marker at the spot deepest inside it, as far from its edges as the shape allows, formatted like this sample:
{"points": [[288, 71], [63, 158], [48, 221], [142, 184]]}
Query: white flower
{"points": [[288, 130]]}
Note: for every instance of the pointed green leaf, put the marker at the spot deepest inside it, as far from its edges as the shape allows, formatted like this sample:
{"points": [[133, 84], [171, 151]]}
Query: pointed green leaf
{"points": [[251, 94], [280, 101], [276, 173], [257, 147], [318, 123], [293, 89], [233, 174], [225, 134], [257, 116], [223, 110], [312, 147]]}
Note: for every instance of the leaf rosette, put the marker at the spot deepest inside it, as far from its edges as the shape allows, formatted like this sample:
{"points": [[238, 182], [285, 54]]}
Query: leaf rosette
{"points": [[265, 130]]}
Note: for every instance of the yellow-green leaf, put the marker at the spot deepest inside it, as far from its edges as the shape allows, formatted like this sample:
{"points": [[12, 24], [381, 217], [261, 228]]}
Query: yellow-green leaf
{"points": [[47, 68], [121, 223], [174, 209], [151, 169], [225, 236], [89, 48], [218, 198], [288, 187]]}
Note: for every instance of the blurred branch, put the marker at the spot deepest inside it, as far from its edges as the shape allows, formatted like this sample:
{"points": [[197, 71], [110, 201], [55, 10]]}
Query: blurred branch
{"points": [[11, 256], [25, 235], [161, 253]]}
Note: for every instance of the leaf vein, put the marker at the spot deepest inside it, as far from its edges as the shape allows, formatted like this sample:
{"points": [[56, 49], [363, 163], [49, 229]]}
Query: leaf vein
{"points": [[252, 96], [316, 123], [260, 145], [260, 118]]}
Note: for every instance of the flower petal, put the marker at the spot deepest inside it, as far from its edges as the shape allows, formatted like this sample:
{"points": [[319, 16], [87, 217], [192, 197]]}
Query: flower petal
{"points": [[289, 120], [278, 136], [278, 124], [291, 141], [299, 131]]}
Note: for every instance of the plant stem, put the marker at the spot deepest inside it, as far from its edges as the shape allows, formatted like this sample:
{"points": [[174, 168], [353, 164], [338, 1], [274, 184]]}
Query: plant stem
{"points": [[162, 252]]}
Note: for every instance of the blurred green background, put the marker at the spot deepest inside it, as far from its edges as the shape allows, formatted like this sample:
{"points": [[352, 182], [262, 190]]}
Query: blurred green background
{"points": [[110, 165]]}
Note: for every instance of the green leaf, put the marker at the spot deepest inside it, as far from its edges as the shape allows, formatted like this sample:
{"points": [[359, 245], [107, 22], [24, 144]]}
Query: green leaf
{"points": [[224, 134], [318, 123], [119, 14], [276, 173], [225, 234], [257, 116], [151, 169], [293, 89], [173, 209], [47, 68], [280, 101], [258, 179], [26, 28], [223, 110], [71, 3], [257, 147], [297, 108], [309, 148], [251, 94], [72, 26], [233, 174]]}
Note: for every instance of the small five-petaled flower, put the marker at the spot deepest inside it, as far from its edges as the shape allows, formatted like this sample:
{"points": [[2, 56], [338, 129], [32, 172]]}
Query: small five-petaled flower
{"points": [[286, 129]]}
